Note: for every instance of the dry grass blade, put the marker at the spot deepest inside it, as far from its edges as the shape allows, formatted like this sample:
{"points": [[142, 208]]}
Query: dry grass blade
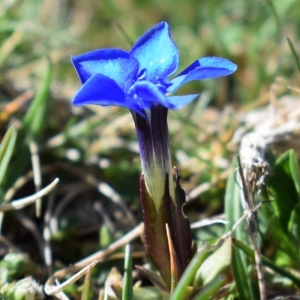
{"points": [[37, 176], [21, 181], [209, 221], [51, 290], [20, 203], [47, 234], [12, 107]]}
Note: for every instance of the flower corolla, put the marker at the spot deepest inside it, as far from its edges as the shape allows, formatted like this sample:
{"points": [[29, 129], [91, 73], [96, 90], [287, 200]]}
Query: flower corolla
{"points": [[139, 79]]}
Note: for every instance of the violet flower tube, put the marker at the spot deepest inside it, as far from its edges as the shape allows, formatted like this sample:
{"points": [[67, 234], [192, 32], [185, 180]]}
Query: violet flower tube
{"points": [[138, 80]]}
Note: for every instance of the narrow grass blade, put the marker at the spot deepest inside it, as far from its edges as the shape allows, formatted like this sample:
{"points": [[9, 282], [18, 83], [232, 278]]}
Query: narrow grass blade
{"points": [[295, 55], [128, 287], [36, 114], [8, 46], [87, 284], [125, 35], [189, 274], [5, 141], [211, 288], [285, 187], [6, 149], [234, 212], [274, 13], [247, 250]]}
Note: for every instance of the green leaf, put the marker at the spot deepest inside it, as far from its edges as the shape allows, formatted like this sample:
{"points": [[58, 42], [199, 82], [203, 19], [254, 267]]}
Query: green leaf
{"points": [[266, 262], [294, 224], [149, 293], [212, 288], [6, 150], [233, 213], [215, 264], [155, 232], [283, 241], [36, 114], [285, 186], [127, 288], [295, 172], [154, 277], [87, 284], [189, 274]]}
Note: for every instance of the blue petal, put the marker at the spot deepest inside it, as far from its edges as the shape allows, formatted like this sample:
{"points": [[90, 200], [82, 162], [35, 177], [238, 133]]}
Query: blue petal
{"points": [[156, 52], [148, 92], [203, 68], [151, 95], [176, 102], [114, 63], [102, 90]]}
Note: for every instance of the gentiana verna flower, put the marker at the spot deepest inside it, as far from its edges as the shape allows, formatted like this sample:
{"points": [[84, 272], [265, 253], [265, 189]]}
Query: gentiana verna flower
{"points": [[139, 80]]}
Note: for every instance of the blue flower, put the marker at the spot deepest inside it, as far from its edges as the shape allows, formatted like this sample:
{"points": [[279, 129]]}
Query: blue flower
{"points": [[138, 79]]}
